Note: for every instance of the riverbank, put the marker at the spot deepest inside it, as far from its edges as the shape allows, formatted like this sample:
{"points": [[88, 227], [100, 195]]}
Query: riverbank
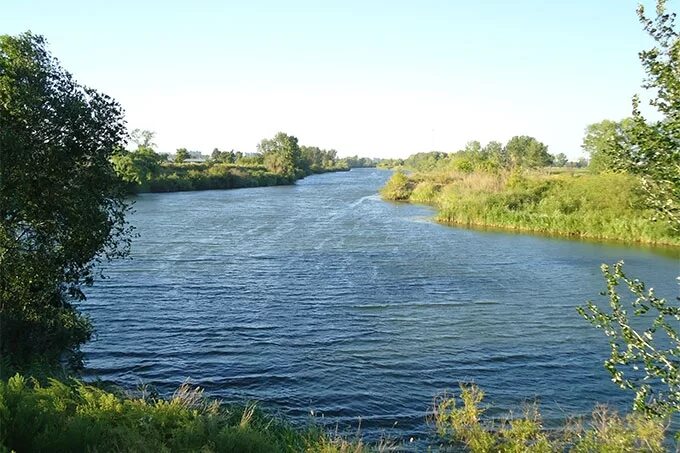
{"points": [[571, 204], [206, 176], [72, 416]]}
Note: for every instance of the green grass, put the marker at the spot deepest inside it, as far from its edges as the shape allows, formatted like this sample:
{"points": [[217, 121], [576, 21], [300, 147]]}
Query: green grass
{"points": [[459, 420], [185, 177], [70, 416], [595, 206]]}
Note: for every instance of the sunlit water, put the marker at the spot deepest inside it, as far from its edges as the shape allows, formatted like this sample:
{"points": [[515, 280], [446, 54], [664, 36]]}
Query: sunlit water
{"points": [[321, 297]]}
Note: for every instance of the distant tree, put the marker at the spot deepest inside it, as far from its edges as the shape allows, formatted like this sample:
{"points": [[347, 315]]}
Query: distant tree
{"points": [[61, 204], [181, 155], [606, 142], [224, 156], [143, 138], [560, 160], [582, 162], [137, 167], [281, 154], [496, 154], [525, 151]]}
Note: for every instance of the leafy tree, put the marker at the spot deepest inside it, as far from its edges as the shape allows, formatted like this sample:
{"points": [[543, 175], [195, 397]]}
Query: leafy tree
{"points": [[281, 154], [138, 167], [525, 151], [604, 141], [223, 156], [638, 360], [655, 152], [560, 160], [496, 154], [61, 205], [181, 155], [143, 138]]}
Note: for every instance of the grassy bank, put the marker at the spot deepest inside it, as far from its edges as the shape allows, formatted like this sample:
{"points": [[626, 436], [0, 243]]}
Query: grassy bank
{"points": [[606, 206], [182, 177], [70, 416], [209, 176]]}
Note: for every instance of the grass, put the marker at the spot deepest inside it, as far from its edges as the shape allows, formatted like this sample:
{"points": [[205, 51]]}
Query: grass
{"points": [[595, 206], [458, 421], [70, 416]]}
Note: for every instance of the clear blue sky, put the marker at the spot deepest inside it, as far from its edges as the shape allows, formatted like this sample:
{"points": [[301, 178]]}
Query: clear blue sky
{"points": [[375, 78]]}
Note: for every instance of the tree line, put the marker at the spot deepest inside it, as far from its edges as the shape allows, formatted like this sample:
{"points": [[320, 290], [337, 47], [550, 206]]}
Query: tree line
{"points": [[278, 160]]}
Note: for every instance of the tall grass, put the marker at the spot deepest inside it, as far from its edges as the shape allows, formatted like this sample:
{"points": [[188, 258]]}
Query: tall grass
{"points": [[70, 416], [598, 206], [459, 421]]}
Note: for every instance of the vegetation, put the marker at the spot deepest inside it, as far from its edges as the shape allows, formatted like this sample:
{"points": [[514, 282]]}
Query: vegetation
{"points": [[605, 432], [63, 212], [631, 194], [566, 203], [280, 160], [62, 208], [74, 417], [639, 360]]}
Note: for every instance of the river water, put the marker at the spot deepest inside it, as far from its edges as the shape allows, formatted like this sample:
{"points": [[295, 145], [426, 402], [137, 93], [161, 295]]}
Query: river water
{"points": [[320, 297]]}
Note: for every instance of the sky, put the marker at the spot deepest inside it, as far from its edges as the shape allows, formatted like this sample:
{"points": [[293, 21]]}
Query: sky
{"points": [[373, 78]]}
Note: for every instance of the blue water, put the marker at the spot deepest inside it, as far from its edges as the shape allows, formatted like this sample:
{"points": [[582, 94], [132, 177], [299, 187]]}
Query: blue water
{"points": [[321, 297]]}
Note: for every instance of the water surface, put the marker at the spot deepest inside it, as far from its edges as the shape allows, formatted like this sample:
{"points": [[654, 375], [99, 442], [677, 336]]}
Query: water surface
{"points": [[321, 297]]}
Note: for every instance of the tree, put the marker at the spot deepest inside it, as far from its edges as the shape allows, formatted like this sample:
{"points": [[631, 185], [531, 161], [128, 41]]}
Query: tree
{"points": [[639, 361], [181, 155], [137, 167], [62, 206], [604, 142], [560, 160], [281, 154], [143, 138], [496, 154], [655, 152], [525, 151]]}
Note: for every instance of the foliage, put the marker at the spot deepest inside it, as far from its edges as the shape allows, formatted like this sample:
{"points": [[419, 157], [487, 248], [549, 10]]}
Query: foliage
{"points": [[228, 157], [606, 140], [655, 152], [62, 210], [398, 188], [73, 417], [316, 160], [137, 168], [566, 203], [181, 155], [143, 138], [144, 170], [640, 360], [525, 151], [519, 152], [561, 160], [360, 162], [607, 432], [281, 154]]}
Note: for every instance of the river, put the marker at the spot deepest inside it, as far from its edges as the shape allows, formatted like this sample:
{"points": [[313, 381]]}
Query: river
{"points": [[319, 297]]}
